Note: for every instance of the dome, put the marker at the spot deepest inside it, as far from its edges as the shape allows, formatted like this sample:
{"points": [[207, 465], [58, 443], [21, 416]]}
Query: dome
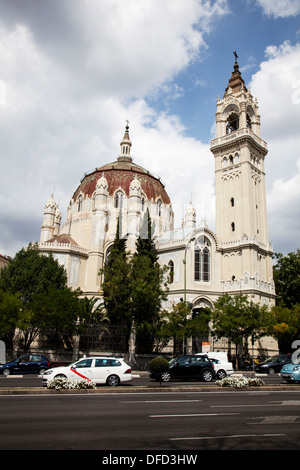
{"points": [[120, 174]]}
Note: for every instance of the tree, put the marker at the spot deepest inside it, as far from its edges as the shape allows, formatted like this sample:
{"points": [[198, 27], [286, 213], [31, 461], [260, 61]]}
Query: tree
{"points": [[56, 311], [116, 285], [40, 284], [10, 312], [179, 324], [286, 326], [145, 245], [92, 312], [238, 319], [134, 287], [148, 287], [30, 273], [287, 279]]}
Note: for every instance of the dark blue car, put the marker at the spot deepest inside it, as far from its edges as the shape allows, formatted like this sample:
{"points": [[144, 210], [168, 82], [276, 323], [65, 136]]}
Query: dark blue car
{"points": [[27, 364]]}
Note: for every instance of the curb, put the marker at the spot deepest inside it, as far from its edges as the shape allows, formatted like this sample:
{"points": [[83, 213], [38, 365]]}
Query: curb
{"points": [[164, 388]]}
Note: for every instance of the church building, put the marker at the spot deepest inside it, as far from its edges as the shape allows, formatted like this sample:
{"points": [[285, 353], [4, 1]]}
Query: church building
{"points": [[203, 265]]}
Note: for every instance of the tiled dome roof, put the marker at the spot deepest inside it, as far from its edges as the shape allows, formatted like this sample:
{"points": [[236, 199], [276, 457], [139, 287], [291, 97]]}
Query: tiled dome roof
{"points": [[120, 174]]}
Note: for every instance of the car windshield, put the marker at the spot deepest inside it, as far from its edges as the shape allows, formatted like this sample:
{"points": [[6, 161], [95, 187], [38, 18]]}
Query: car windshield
{"points": [[271, 359], [174, 359]]}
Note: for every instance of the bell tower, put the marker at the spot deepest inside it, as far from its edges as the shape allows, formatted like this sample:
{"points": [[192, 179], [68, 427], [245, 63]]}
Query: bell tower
{"points": [[239, 152]]}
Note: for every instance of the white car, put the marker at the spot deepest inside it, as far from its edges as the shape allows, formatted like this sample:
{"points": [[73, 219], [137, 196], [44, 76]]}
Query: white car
{"points": [[100, 370], [222, 368]]}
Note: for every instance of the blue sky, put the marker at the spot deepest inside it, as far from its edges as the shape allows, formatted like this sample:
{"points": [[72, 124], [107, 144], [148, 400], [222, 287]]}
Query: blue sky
{"points": [[245, 29], [72, 72]]}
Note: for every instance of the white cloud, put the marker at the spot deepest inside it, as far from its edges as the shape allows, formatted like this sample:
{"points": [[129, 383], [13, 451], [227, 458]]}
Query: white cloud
{"points": [[71, 73], [276, 85], [280, 8]]}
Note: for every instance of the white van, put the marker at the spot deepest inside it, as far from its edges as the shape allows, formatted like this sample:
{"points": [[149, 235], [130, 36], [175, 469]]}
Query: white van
{"points": [[221, 365], [221, 355]]}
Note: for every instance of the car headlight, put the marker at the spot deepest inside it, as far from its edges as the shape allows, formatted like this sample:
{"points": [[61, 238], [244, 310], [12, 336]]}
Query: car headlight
{"points": [[296, 368], [48, 372]]}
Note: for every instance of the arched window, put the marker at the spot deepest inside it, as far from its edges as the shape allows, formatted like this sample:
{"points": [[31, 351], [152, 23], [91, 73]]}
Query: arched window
{"points": [[202, 259], [232, 202], [107, 255], [232, 123], [248, 121], [233, 227], [159, 203], [119, 200], [80, 200], [171, 271], [224, 162]]}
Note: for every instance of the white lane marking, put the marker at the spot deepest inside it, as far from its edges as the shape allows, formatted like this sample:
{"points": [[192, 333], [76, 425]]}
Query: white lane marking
{"points": [[233, 436]]}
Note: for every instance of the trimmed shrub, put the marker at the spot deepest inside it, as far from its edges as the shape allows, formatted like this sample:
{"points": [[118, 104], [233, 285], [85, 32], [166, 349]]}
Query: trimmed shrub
{"points": [[158, 365]]}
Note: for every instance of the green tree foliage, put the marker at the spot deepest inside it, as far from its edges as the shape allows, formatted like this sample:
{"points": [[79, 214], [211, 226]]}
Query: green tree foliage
{"points": [[58, 310], [238, 319], [10, 313], [134, 286], [287, 279], [40, 284], [91, 312], [179, 323], [145, 245], [286, 326], [30, 273], [148, 287], [286, 314], [116, 286]]}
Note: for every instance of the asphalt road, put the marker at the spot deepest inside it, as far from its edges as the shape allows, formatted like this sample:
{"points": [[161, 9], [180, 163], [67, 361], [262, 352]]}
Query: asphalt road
{"points": [[154, 422]]}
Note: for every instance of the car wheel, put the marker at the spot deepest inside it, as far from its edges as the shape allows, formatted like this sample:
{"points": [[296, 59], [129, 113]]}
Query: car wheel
{"points": [[165, 376], [221, 374], [207, 375], [6, 372], [60, 376], [271, 370], [113, 380], [42, 371]]}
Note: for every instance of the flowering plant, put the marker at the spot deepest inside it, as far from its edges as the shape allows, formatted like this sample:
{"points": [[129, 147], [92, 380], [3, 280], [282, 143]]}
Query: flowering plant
{"points": [[240, 382], [61, 383]]}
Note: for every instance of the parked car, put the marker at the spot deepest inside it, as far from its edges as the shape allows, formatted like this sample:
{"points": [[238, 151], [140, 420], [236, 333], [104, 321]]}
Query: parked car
{"points": [[222, 368], [221, 355], [27, 364], [273, 364], [188, 367], [101, 370], [291, 372]]}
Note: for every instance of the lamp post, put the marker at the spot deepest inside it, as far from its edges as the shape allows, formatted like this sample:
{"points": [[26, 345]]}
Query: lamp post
{"points": [[184, 262], [184, 287]]}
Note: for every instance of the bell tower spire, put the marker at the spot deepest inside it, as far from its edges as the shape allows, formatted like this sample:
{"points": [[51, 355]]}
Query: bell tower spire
{"points": [[236, 82]]}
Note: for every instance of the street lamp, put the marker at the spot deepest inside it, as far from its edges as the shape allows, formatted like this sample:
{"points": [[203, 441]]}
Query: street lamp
{"points": [[184, 262], [184, 292]]}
